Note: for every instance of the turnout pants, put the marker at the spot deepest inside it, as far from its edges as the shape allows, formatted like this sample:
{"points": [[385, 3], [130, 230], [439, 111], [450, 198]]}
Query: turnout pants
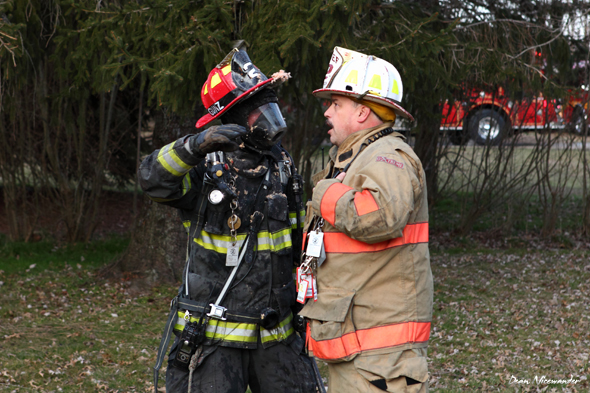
{"points": [[280, 368], [345, 377]]}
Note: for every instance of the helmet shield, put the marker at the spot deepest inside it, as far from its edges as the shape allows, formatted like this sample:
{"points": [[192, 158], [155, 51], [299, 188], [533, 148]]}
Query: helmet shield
{"points": [[245, 75]]}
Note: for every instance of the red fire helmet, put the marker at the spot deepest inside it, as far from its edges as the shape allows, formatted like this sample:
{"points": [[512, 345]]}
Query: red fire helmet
{"points": [[231, 81]]}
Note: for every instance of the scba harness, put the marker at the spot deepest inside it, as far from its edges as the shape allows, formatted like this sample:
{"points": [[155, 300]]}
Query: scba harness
{"points": [[197, 321]]}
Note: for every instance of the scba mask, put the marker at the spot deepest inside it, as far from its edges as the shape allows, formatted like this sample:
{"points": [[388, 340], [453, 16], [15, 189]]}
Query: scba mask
{"points": [[266, 125], [262, 117]]}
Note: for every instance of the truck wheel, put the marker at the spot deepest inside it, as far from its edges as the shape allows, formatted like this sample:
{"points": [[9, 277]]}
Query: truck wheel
{"points": [[579, 122], [487, 126]]}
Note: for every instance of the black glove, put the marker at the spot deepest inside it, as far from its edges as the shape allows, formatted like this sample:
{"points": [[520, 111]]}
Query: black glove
{"points": [[216, 138]]}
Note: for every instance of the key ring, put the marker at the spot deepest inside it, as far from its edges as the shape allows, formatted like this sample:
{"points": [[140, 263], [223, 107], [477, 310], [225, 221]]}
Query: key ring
{"points": [[319, 224], [233, 221], [306, 265]]}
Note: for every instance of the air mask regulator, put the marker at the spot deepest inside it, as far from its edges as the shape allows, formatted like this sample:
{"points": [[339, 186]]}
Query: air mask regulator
{"points": [[218, 177]]}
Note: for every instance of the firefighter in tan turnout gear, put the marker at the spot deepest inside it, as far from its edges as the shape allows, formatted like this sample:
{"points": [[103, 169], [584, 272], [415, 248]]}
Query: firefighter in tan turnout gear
{"points": [[366, 267], [239, 197]]}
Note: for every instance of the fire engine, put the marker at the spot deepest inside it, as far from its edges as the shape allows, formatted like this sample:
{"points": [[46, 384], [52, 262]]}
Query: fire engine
{"points": [[488, 117]]}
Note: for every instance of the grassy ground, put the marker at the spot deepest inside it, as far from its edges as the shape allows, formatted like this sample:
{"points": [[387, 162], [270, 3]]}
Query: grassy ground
{"points": [[480, 160], [518, 220], [502, 316], [63, 329], [499, 316]]}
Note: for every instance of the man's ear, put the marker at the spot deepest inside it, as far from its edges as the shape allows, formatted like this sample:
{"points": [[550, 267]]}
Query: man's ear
{"points": [[364, 113]]}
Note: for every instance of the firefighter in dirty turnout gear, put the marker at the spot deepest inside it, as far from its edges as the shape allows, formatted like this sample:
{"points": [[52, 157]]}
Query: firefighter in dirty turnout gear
{"points": [[366, 255], [239, 197]]}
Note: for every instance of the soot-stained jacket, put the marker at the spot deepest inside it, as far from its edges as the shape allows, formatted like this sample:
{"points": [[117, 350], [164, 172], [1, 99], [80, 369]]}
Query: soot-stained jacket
{"points": [[174, 177]]}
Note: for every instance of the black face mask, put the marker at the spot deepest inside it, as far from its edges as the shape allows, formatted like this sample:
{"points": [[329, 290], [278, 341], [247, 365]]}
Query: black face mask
{"points": [[266, 125], [262, 116]]}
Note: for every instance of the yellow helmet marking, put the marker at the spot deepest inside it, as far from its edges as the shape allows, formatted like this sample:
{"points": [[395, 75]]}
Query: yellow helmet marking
{"points": [[226, 70], [395, 89], [352, 77], [375, 82], [206, 89], [215, 80]]}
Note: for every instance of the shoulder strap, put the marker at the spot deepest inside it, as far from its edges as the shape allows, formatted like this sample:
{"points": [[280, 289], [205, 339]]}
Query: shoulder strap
{"points": [[294, 191]]}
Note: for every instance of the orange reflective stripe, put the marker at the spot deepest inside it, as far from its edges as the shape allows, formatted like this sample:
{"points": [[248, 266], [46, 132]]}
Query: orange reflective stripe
{"points": [[340, 243], [368, 339], [329, 200], [365, 203]]}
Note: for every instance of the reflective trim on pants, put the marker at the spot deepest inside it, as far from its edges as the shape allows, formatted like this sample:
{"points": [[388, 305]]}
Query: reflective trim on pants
{"points": [[283, 330], [367, 339], [241, 332]]}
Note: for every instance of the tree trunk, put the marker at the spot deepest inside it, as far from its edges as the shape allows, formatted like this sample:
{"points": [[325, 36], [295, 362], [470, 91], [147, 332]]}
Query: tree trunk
{"points": [[426, 148], [586, 188], [157, 251]]}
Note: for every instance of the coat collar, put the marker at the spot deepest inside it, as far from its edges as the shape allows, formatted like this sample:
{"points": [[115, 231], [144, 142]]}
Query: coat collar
{"points": [[343, 154]]}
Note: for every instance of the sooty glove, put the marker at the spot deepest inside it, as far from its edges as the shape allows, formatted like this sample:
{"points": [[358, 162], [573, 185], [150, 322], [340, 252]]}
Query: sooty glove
{"points": [[216, 138]]}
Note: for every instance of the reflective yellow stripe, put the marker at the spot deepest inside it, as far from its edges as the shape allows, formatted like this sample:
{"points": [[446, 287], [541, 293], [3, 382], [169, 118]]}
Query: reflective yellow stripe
{"points": [[293, 219], [223, 330], [186, 184], [218, 243], [231, 331], [162, 155], [178, 160], [266, 241], [180, 321], [241, 332], [283, 330], [275, 241], [168, 158]]}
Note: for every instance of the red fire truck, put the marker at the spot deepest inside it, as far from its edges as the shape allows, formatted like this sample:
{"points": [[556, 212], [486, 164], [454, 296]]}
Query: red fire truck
{"points": [[487, 117]]}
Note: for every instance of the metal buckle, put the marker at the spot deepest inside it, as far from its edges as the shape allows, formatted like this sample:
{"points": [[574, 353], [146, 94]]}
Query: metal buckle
{"points": [[173, 302], [217, 312], [284, 171]]}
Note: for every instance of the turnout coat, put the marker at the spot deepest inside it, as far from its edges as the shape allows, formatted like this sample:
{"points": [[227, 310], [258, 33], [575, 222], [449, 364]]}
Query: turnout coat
{"points": [[172, 176], [375, 287]]}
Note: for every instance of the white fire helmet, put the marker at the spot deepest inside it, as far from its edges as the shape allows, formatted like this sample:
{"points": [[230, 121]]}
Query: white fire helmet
{"points": [[363, 77]]}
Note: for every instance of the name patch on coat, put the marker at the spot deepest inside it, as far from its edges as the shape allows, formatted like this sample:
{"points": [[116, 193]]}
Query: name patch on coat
{"points": [[390, 161]]}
